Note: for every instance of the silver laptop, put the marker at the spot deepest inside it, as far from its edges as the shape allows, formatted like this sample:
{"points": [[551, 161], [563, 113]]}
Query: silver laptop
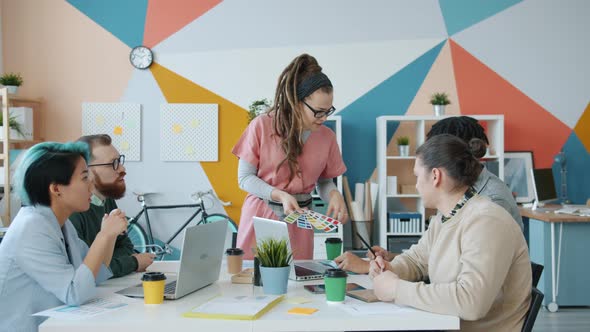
{"points": [[200, 262], [300, 270]]}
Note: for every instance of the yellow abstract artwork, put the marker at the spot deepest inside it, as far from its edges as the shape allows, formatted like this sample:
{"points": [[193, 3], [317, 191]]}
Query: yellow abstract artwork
{"points": [[189, 150], [176, 128], [100, 120]]}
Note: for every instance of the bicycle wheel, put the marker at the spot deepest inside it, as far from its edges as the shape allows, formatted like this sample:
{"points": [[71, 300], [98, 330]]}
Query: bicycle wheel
{"points": [[138, 237], [233, 227]]}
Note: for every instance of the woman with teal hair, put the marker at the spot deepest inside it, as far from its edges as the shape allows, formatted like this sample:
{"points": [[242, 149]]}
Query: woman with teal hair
{"points": [[43, 263]]}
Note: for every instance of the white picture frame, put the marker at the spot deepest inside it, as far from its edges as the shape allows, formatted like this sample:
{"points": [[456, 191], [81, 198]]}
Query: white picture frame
{"points": [[517, 175]]}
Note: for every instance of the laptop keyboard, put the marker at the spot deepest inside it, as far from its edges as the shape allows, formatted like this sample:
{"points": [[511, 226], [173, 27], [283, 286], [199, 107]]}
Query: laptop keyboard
{"points": [[170, 288]]}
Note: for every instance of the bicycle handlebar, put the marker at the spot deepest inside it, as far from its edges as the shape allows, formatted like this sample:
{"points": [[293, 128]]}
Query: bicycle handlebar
{"points": [[198, 196]]}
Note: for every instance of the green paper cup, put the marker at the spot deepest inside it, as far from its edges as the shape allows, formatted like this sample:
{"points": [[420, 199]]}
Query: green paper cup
{"points": [[333, 247], [335, 283]]}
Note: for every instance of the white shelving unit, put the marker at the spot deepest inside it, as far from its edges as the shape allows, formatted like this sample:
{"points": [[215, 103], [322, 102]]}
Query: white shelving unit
{"points": [[9, 142], [388, 163], [4, 156], [319, 252]]}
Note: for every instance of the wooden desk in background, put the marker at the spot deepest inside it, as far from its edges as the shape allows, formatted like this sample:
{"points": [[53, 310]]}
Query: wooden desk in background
{"points": [[537, 249]]}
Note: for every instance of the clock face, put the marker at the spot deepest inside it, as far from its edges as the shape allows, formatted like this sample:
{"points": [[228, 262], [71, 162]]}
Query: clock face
{"points": [[141, 57]]}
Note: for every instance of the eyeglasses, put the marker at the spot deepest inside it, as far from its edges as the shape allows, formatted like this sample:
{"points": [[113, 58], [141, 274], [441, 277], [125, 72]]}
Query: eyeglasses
{"points": [[115, 163], [320, 114]]}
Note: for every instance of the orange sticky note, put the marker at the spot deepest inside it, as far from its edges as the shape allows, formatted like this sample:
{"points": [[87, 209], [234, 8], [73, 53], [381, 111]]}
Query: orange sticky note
{"points": [[302, 311]]}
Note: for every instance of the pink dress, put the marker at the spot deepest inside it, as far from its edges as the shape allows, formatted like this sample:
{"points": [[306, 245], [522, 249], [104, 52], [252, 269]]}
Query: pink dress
{"points": [[258, 146]]}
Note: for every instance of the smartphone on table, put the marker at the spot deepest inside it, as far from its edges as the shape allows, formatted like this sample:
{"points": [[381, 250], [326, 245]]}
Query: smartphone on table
{"points": [[321, 289], [353, 290]]}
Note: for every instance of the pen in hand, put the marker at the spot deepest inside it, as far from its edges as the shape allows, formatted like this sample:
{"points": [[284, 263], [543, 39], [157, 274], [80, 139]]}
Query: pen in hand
{"points": [[367, 244], [381, 266]]}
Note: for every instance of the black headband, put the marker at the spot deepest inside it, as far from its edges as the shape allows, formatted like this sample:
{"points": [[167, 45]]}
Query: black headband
{"points": [[312, 83]]}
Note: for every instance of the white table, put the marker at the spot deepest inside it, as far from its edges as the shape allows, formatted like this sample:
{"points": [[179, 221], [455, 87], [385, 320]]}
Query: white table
{"points": [[168, 316]]}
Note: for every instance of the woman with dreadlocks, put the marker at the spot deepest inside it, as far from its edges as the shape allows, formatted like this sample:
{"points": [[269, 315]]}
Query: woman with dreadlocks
{"points": [[286, 152]]}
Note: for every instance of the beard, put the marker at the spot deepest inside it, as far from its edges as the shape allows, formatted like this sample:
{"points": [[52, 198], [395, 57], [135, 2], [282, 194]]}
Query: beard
{"points": [[114, 190]]}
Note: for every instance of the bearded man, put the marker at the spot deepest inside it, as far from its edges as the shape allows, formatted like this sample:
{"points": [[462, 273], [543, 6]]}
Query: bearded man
{"points": [[107, 172]]}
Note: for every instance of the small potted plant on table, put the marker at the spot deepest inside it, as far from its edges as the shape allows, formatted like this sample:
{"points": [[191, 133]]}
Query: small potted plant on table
{"points": [[275, 264]]}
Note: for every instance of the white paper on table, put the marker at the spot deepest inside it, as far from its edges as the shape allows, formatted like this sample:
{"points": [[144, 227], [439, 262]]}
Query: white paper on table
{"points": [[360, 308], [94, 307]]}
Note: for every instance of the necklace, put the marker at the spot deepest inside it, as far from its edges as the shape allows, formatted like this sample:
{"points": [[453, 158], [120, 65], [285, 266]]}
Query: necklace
{"points": [[468, 194]]}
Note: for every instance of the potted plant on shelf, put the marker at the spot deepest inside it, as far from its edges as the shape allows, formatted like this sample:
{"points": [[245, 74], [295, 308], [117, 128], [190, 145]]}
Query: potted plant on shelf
{"points": [[257, 107], [275, 264], [11, 81], [16, 128], [439, 100], [403, 145]]}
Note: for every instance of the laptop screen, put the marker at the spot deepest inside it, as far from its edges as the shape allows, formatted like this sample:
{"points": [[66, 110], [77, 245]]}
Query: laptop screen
{"points": [[544, 184]]}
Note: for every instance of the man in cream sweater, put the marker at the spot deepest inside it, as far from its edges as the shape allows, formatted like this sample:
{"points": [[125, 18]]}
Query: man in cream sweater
{"points": [[474, 254]]}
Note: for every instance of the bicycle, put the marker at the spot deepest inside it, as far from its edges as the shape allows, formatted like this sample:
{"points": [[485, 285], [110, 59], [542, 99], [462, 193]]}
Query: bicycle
{"points": [[144, 241]]}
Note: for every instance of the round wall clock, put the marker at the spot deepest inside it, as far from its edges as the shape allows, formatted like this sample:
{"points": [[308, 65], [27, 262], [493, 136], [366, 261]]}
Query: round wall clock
{"points": [[141, 57]]}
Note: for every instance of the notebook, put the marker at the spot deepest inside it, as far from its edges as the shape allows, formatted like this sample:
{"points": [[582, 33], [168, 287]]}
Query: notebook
{"points": [[300, 270], [200, 262], [242, 307]]}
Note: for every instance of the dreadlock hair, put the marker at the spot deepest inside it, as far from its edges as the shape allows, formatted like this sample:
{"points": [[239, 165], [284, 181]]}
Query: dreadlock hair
{"points": [[464, 127], [288, 120]]}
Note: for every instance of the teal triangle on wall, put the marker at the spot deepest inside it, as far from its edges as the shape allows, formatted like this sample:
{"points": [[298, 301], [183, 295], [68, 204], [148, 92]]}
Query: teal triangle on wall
{"points": [[461, 14], [124, 19], [392, 97]]}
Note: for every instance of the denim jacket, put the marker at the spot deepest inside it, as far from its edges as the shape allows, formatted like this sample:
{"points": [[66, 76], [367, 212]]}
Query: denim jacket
{"points": [[41, 266]]}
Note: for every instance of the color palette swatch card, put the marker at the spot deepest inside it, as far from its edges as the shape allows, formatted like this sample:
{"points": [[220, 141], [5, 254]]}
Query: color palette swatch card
{"points": [[311, 218]]}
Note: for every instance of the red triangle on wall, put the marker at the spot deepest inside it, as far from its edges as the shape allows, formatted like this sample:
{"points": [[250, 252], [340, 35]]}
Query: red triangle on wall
{"points": [[527, 125], [165, 17]]}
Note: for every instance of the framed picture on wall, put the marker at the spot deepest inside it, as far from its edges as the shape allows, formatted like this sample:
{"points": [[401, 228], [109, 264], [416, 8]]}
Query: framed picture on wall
{"points": [[517, 175]]}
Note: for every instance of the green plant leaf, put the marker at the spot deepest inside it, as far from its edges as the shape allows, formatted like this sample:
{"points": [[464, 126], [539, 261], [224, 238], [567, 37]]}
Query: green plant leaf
{"points": [[440, 98], [403, 140], [254, 106], [11, 79], [12, 123], [273, 252]]}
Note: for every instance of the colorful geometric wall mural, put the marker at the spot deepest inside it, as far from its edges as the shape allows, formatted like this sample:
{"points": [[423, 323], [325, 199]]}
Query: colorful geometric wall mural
{"points": [[526, 60]]}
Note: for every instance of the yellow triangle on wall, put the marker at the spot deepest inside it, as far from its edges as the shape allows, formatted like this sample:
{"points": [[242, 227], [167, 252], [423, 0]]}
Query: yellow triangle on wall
{"points": [[582, 128], [233, 119]]}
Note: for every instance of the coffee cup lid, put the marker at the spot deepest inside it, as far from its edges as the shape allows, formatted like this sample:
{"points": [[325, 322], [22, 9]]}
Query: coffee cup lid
{"points": [[333, 240], [335, 273], [234, 251], [153, 276]]}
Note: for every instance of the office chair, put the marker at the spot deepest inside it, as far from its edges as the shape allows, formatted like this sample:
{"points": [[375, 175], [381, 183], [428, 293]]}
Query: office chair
{"points": [[537, 270], [531, 315]]}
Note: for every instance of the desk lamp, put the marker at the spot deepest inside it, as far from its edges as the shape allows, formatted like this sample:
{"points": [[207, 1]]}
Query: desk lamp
{"points": [[561, 160]]}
